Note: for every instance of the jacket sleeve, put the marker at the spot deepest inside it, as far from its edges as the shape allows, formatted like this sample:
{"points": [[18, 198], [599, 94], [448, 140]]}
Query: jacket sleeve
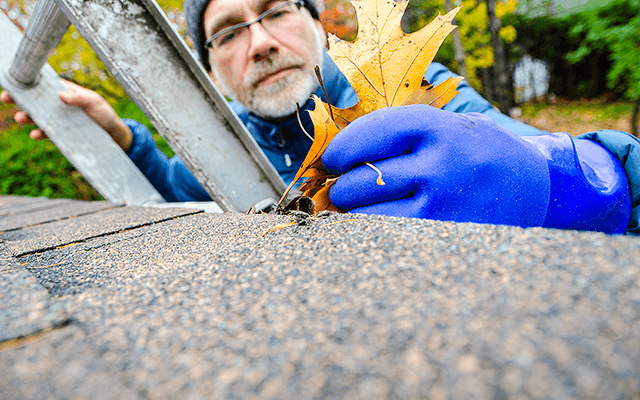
{"points": [[169, 176], [585, 196]]}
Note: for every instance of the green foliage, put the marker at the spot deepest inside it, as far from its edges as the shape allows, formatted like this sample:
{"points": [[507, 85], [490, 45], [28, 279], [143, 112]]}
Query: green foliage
{"points": [[594, 111], [616, 29], [30, 168], [33, 168], [473, 27], [547, 38], [37, 168]]}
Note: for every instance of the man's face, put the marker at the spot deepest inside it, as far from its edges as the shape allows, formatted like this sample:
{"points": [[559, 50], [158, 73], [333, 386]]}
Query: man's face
{"points": [[266, 73]]}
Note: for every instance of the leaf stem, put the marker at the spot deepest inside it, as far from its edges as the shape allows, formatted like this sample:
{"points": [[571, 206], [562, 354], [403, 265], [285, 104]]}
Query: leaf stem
{"points": [[379, 181], [319, 76], [286, 192], [300, 121]]}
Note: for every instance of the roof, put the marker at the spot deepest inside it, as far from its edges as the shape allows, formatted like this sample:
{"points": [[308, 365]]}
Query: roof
{"points": [[100, 300]]}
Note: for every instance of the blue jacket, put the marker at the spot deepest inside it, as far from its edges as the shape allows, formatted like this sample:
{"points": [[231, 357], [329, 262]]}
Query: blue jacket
{"points": [[286, 146]]}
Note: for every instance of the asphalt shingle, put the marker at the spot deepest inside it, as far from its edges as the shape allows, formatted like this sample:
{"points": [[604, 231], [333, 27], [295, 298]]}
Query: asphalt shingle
{"points": [[60, 233], [54, 212], [25, 306], [346, 306]]}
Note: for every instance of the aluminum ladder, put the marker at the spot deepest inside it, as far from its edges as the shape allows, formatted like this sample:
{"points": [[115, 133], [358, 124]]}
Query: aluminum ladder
{"points": [[138, 44]]}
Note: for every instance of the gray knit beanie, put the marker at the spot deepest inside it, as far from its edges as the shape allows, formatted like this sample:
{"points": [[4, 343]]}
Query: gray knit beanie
{"points": [[193, 12]]}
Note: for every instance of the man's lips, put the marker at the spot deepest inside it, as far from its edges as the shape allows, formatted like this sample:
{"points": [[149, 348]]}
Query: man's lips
{"points": [[275, 75]]}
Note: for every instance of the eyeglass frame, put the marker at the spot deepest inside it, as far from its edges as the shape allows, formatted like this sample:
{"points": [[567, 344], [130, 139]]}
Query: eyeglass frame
{"points": [[208, 44]]}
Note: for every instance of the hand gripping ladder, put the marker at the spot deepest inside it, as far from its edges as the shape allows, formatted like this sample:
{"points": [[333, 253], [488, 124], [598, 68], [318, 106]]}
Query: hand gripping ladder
{"points": [[143, 51]]}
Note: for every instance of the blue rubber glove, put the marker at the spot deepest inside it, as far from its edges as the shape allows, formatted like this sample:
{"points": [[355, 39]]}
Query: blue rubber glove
{"points": [[589, 187], [438, 165]]}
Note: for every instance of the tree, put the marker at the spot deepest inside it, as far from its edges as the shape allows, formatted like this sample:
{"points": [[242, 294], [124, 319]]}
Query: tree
{"points": [[616, 28], [458, 47], [500, 70], [473, 28]]}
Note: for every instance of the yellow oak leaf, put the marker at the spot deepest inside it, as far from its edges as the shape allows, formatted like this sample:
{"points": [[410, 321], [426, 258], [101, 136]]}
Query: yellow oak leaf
{"points": [[385, 67]]}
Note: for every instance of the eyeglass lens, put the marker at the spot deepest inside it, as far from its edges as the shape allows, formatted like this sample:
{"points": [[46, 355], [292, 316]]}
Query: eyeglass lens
{"points": [[276, 21]]}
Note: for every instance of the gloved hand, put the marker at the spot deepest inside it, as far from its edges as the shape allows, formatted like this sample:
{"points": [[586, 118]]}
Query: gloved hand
{"points": [[589, 187], [438, 165]]}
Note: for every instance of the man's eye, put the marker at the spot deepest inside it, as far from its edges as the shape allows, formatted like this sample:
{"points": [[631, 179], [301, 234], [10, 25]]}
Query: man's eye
{"points": [[278, 14], [227, 37]]}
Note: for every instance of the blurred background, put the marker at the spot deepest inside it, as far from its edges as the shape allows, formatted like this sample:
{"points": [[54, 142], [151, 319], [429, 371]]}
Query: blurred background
{"points": [[559, 65]]}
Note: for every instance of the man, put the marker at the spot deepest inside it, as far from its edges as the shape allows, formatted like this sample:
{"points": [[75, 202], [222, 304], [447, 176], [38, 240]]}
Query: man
{"points": [[454, 164]]}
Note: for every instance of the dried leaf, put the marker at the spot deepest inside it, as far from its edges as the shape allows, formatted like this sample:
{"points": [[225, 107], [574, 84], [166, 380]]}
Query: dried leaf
{"points": [[385, 67], [324, 131]]}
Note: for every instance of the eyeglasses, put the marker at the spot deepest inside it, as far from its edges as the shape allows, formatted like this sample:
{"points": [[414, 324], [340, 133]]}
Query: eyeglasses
{"points": [[277, 19]]}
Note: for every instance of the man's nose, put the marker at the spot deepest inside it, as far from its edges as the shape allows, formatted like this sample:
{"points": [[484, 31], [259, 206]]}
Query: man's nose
{"points": [[262, 42]]}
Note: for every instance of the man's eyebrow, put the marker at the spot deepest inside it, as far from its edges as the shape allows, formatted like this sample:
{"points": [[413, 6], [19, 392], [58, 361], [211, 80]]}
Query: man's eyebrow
{"points": [[261, 6], [224, 20]]}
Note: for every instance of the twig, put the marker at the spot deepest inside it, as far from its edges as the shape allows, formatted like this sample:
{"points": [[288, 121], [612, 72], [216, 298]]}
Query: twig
{"points": [[319, 76], [379, 181], [300, 121]]}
